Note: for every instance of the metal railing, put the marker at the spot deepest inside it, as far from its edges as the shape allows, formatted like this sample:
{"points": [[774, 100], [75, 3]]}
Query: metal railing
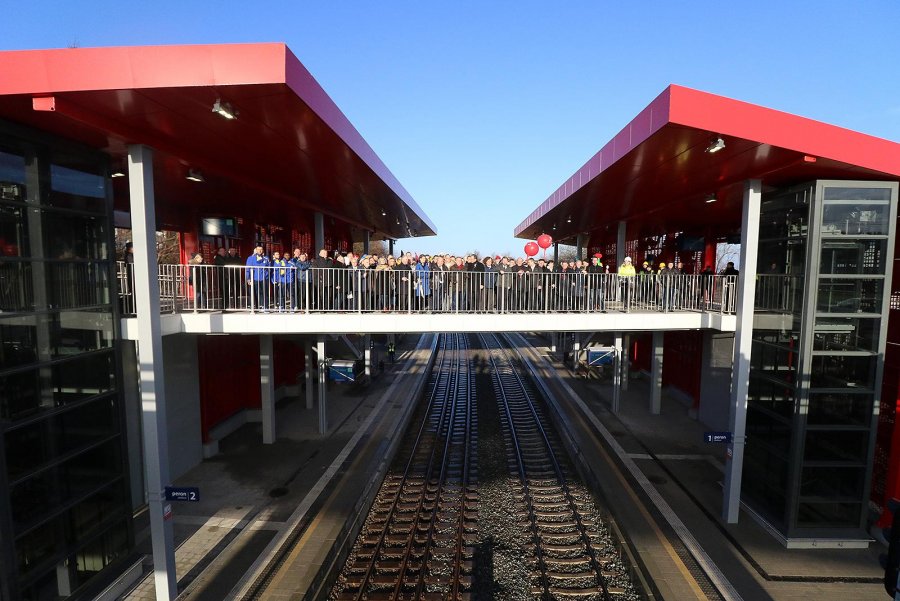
{"points": [[185, 288], [776, 293]]}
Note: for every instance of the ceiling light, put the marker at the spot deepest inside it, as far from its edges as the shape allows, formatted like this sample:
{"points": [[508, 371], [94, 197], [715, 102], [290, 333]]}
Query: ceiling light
{"points": [[224, 109], [398, 221], [554, 226], [711, 198], [716, 145], [194, 175], [383, 213], [117, 174], [569, 219]]}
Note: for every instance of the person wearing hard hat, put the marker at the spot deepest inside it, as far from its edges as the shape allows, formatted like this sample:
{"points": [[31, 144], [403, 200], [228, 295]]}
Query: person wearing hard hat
{"points": [[626, 276]]}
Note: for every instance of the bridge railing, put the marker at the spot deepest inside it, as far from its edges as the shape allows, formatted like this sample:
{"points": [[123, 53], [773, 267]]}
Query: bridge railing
{"points": [[196, 288]]}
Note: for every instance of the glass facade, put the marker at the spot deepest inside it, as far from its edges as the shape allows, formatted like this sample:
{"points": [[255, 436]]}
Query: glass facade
{"points": [[65, 512], [818, 350]]}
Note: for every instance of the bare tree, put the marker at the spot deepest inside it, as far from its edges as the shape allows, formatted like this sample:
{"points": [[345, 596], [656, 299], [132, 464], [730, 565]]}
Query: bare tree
{"points": [[726, 253], [168, 249], [376, 247]]}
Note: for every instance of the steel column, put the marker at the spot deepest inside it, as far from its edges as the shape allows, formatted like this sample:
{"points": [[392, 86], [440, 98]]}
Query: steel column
{"points": [[310, 360], [366, 242], [323, 391], [656, 365], [579, 243], [152, 375], [556, 253], [734, 463], [617, 373], [620, 244], [626, 359], [267, 387]]}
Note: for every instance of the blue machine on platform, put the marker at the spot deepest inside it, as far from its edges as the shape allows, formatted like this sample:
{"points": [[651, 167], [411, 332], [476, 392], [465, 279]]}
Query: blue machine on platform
{"points": [[600, 356], [344, 371]]}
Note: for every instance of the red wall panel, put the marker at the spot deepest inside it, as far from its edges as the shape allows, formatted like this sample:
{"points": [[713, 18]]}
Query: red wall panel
{"points": [[682, 359], [229, 377]]}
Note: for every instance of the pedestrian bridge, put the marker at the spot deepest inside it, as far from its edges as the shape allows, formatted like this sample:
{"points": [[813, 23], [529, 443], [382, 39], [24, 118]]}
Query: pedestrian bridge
{"points": [[203, 299]]}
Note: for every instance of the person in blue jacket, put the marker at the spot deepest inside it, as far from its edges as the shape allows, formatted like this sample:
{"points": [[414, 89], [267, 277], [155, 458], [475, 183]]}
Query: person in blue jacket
{"points": [[423, 283], [257, 276], [282, 280], [300, 296]]}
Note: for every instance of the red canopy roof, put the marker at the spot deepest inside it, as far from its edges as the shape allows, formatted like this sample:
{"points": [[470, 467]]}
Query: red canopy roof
{"points": [[289, 152], [656, 173]]}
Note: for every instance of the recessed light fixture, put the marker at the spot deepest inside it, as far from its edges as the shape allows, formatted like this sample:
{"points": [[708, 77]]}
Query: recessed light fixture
{"points": [[569, 219], [711, 198], [398, 221], [117, 174], [224, 109], [194, 175], [716, 145], [554, 226], [383, 213]]}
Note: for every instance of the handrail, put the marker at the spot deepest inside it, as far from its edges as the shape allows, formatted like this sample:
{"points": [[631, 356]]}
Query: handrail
{"points": [[289, 289]]}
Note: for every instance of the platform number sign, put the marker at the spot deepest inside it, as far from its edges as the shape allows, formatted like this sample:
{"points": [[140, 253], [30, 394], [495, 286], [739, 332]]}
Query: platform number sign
{"points": [[182, 493], [715, 437]]}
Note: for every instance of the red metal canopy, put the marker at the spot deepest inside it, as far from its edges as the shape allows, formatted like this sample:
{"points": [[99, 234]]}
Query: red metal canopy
{"points": [[290, 151], [656, 174]]}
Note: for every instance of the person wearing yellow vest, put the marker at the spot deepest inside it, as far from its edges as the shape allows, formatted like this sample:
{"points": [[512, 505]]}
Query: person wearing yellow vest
{"points": [[626, 275]]}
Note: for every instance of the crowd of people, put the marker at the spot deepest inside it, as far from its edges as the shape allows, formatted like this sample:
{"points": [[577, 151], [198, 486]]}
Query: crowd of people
{"points": [[437, 283]]}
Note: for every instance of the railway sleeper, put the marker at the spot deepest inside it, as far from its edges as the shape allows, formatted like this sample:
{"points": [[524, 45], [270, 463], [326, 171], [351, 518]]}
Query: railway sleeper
{"points": [[558, 592], [586, 575]]}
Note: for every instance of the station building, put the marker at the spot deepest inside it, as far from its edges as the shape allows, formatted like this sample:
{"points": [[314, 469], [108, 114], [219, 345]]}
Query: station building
{"points": [[811, 374]]}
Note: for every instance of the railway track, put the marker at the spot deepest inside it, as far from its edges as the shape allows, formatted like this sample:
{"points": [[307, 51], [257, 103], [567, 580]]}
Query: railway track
{"points": [[416, 542], [541, 537]]}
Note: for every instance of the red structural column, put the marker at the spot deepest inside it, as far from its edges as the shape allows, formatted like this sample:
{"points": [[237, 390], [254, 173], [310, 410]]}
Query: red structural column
{"points": [[709, 253]]}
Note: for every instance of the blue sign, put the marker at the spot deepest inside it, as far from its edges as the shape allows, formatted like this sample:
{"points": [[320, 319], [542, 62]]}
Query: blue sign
{"points": [[182, 493], [717, 437]]}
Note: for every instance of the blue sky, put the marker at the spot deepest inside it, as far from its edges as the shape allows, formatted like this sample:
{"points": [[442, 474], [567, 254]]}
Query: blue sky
{"points": [[481, 109]]}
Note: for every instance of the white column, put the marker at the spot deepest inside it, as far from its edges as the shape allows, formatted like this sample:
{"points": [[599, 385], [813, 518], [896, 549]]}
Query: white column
{"points": [[656, 364], [150, 364], [620, 244], [310, 360], [743, 338], [267, 387], [323, 390], [617, 373], [318, 233], [626, 361], [367, 354]]}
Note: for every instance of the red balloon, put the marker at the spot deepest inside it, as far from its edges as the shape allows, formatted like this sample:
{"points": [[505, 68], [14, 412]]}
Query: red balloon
{"points": [[544, 241], [531, 249]]}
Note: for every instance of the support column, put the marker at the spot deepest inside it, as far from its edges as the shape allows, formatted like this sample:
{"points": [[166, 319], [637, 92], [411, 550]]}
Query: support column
{"points": [[323, 391], [617, 372], [319, 233], [743, 337], [391, 247], [579, 244], [150, 363], [366, 242], [367, 354], [656, 365], [267, 387], [626, 360], [556, 253], [576, 349], [620, 244], [310, 359]]}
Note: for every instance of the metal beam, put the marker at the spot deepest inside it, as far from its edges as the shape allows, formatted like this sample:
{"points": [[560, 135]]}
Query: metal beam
{"points": [[617, 373], [319, 233], [323, 390], [152, 375], [734, 462], [310, 361], [620, 244]]}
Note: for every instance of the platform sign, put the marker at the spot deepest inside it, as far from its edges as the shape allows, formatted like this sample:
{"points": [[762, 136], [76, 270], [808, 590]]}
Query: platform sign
{"points": [[714, 437], [182, 493], [600, 355]]}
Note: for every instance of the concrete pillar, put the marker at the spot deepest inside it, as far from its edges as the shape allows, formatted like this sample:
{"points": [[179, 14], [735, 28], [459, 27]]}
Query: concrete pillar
{"points": [[152, 376], [620, 244], [626, 361], [579, 247], [556, 253], [576, 349], [734, 463], [310, 360], [319, 233], [656, 367], [367, 354], [391, 247], [366, 242], [267, 387], [617, 373], [323, 380], [553, 337]]}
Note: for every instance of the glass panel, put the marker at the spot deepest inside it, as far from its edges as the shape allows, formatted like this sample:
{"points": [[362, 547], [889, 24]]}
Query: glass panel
{"points": [[74, 332], [832, 482], [855, 219], [34, 498], [94, 557], [778, 398], [836, 445], [75, 189], [69, 236], [26, 449], [840, 408], [90, 513], [16, 292], [73, 285], [850, 296], [12, 171], [13, 231], [765, 482], [846, 334], [39, 544], [91, 469], [858, 256], [20, 394], [85, 425], [841, 371], [18, 342], [82, 378], [825, 515], [838, 193], [774, 432]]}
